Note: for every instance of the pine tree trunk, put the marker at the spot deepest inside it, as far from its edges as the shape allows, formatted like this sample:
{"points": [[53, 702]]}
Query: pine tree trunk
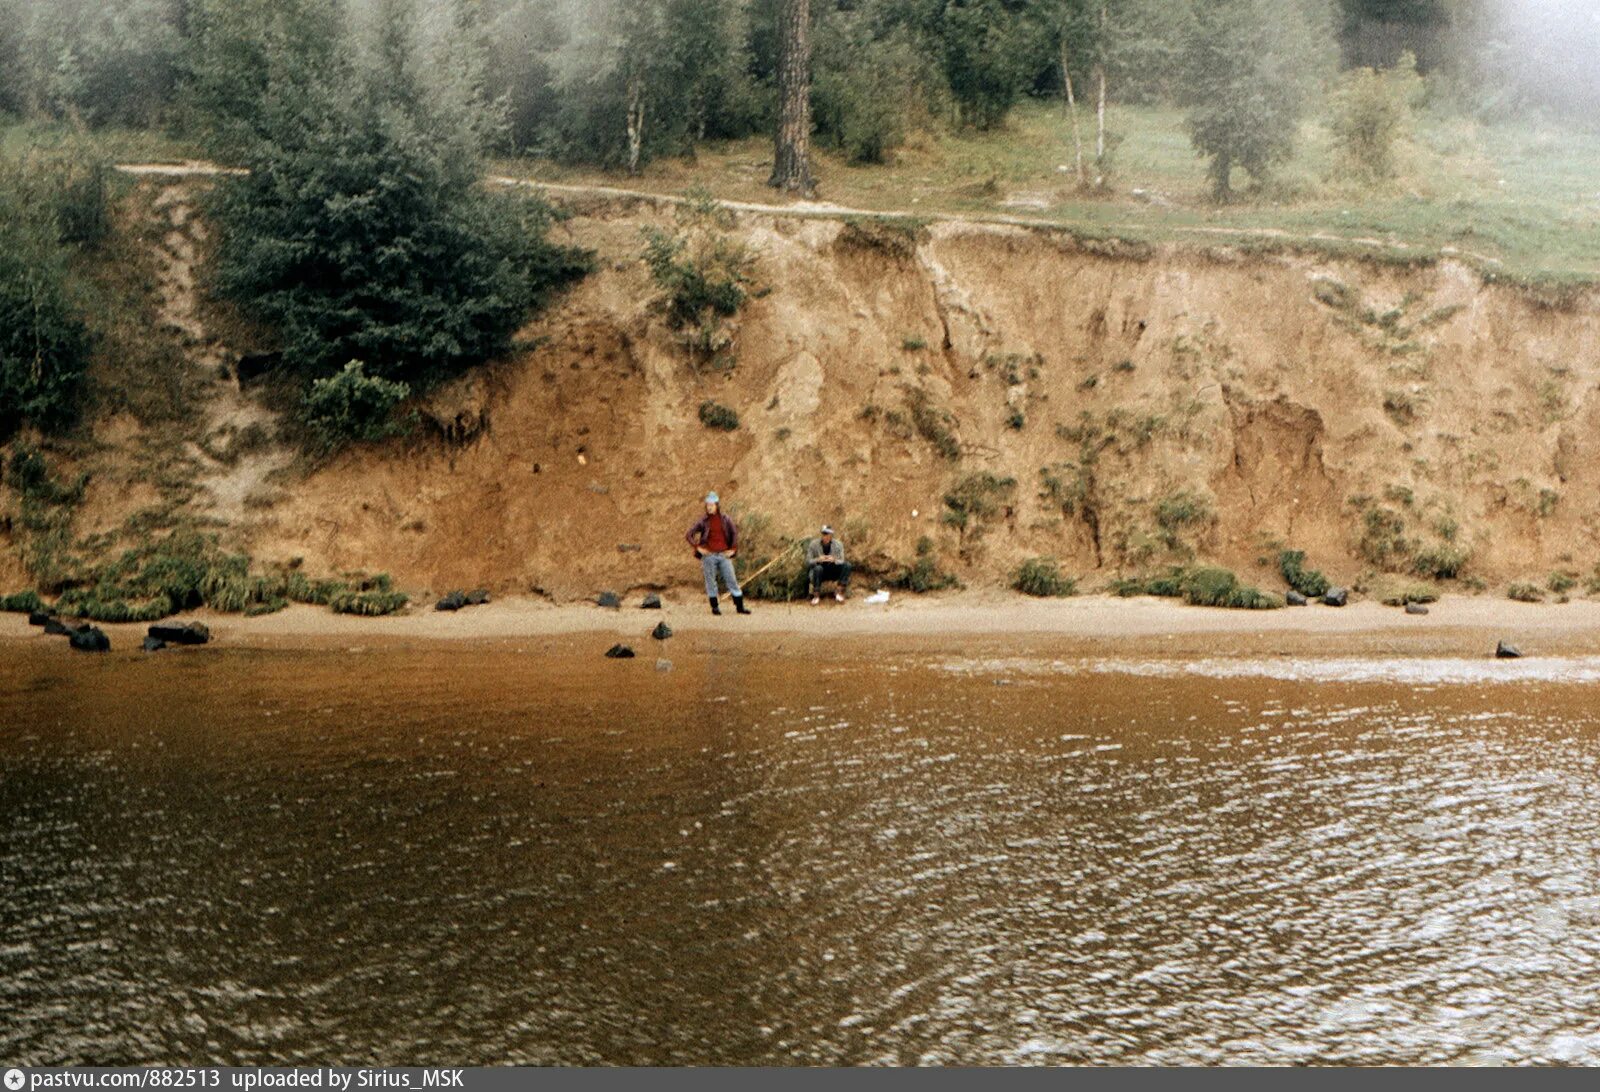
{"points": [[791, 162]]}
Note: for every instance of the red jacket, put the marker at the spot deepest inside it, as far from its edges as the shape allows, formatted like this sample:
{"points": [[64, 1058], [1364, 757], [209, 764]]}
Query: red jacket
{"points": [[697, 534]]}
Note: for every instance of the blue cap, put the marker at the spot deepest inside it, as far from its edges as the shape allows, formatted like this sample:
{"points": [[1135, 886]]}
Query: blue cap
{"points": [[712, 498]]}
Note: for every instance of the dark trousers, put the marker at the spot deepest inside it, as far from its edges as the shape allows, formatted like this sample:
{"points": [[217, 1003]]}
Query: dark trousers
{"points": [[829, 570]]}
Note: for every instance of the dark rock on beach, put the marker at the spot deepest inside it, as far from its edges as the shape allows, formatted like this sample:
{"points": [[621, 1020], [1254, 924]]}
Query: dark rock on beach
{"points": [[651, 602], [90, 640], [189, 633], [1504, 651], [1416, 608], [454, 601], [153, 644], [1337, 597], [1294, 598], [477, 597], [619, 652], [56, 628], [661, 632], [39, 618], [608, 599]]}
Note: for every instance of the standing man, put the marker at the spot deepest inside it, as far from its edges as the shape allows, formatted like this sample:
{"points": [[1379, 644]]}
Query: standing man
{"points": [[825, 561], [716, 540]]}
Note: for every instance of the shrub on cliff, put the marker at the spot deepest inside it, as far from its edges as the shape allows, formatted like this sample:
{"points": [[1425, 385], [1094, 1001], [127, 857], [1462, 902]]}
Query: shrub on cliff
{"points": [[1042, 577], [352, 405], [1213, 587], [1308, 582], [704, 274]]}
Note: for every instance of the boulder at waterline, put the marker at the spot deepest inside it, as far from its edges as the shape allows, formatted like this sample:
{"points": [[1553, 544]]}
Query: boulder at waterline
{"points": [[651, 602], [477, 597], [189, 633], [452, 602], [153, 644], [1337, 597], [661, 632], [608, 599], [90, 639], [1416, 608], [1506, 651], [619, 652], [1294, 598], [40, 617]]}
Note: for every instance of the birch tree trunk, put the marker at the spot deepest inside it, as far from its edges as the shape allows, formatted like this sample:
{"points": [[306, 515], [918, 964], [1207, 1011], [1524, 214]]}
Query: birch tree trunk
{"points": [[1100, 129], [635, 121], [1100, 106], [791, 161], [1072, 108]]}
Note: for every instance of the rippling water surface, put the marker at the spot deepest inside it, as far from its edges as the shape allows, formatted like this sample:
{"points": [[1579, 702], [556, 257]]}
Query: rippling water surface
{"points": [[499, 856]]}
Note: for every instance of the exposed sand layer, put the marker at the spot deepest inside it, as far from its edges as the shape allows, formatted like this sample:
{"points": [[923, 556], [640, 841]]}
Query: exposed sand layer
{"points": [[969, 621]]}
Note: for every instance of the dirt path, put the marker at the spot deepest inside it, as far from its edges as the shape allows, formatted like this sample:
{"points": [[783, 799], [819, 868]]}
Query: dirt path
{"points": [[827, 211], [237, 449]]}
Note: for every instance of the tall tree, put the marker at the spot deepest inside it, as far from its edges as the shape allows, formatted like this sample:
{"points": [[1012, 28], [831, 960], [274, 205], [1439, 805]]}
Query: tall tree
{"points": [[362, 230], [791, 161]]}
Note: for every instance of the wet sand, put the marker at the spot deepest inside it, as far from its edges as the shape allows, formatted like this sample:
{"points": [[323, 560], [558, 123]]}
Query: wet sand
{"points": [[1456, 626]]}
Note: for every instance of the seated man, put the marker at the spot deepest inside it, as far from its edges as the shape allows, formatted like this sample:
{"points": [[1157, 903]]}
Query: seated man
{"points": [[825, 561]]}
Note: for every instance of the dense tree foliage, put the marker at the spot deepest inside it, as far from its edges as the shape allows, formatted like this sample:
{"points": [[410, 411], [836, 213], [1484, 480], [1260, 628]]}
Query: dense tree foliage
{"points": [[362, 230], [621, 82], [106, 62], [49, 204]]}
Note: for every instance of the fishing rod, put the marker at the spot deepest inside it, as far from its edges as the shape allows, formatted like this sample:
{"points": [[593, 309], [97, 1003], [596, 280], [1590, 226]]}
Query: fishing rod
{"points": [[751, 579]]}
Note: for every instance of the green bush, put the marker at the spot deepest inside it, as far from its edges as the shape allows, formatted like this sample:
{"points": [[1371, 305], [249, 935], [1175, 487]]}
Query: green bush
{"points": [[933, 424], [21, 602], [1178, 511], [352, 405], [1562, 582], [1525, 593], [974, 500], [1371, 114], [716, 416], [1409, 593], [1208, 586], [1042, 577], [704, 273], [1168, 584], [1308, 582], [923, 574], [371, 596], [1441, 562]]}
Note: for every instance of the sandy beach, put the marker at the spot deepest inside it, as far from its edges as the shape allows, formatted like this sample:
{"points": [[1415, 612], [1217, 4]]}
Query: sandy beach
{"points": [[1456, 626]]}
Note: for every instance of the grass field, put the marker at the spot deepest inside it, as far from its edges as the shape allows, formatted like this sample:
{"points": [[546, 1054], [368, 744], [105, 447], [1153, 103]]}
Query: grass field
{"points": [[1523, 201]]}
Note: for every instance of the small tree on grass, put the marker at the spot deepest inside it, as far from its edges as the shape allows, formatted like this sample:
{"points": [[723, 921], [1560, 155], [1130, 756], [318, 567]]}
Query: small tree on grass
{"points": [[1249, 65], [1371, 114]]}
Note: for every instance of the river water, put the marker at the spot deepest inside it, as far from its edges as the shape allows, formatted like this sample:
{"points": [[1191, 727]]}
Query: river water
{"points": [[827, 855]]}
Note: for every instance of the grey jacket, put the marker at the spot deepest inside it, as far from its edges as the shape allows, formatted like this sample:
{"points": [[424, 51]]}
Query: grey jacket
{"points": [[814, 553]]}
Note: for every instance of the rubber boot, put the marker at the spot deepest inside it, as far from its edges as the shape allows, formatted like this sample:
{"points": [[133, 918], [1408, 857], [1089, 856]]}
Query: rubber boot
{"points": [[714, 608], [738, 604]]}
